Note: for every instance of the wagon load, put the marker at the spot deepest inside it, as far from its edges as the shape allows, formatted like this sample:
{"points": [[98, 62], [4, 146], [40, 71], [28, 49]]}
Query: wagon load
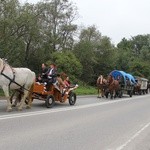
{"points": [[126, 81], [141, 85]]}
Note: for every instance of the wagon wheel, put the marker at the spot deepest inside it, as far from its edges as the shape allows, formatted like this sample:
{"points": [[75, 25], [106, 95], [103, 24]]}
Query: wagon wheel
{"points": [[72, 98], [130, 93], [106, 94], [120, 94], [49, 102]]}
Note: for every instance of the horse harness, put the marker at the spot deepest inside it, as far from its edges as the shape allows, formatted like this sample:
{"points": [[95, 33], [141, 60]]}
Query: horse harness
{"points": [[13, 79], [111, 82], [101, 84]]}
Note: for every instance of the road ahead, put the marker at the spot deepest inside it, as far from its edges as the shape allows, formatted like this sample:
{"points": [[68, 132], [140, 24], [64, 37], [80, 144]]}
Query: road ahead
{"points": [[92, 124]]}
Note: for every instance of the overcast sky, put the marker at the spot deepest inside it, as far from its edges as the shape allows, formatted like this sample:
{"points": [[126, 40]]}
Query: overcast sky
{"points": [[114, 18]]}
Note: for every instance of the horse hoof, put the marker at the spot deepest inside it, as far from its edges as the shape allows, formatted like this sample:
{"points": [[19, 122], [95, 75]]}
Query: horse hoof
{"points": [[13, 105], [19, 109], [28, 107], [98, 97], [9, 109]]}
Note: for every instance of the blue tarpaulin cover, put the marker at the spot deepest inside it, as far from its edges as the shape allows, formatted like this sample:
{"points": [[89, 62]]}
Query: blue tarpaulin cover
{"points": [[118, 74]]}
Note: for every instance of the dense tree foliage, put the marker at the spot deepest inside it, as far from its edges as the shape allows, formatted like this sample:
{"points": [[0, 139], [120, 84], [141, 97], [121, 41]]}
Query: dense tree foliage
{"points": [[134, 55], [31, 34]]}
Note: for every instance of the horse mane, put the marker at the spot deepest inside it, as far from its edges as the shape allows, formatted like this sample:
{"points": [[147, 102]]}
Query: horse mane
{"points": [[1, 61], [97, 82], [110, 79], [100, 80]]}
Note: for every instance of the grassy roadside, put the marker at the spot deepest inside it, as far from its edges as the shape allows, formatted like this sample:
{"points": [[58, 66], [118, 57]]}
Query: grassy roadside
{"points": [[81, 90], [86, 90]]}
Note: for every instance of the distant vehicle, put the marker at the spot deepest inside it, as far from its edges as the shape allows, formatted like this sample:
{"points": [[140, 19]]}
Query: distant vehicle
{"points": [[141, 86], [126, 82]]}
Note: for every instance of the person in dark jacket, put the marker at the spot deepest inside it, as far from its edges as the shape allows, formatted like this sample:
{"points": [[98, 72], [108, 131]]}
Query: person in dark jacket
{"points": [[51, 75], [44, 74]]}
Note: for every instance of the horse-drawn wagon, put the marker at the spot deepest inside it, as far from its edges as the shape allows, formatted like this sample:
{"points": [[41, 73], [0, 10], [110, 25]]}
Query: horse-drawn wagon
{"points": [[141, 86], [53, 94], [22, 81], [126, 82]]}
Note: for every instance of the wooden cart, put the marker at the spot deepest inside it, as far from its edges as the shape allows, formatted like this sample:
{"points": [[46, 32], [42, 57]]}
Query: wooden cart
{"points": [[141, 86], [53, 95]]}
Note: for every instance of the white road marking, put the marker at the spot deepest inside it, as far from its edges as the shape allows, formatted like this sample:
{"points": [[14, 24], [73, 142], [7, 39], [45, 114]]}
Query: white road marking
{"points": [[12, 116], [133, 137]]}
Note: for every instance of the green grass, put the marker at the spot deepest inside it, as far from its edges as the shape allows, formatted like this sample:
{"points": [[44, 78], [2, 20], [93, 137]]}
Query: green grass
{"points": [[86, 90]]}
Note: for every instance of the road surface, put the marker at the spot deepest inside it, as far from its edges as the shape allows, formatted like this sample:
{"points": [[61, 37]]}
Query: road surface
{"points": [[92, 124]]}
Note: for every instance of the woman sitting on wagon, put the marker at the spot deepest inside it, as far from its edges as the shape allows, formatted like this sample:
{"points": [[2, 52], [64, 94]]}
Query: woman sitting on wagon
{"points": [[69, 86]]}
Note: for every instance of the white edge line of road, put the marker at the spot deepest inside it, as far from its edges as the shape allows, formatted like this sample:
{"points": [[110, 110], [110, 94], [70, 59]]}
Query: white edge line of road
{"points": [[133, 137], [28, 114]]}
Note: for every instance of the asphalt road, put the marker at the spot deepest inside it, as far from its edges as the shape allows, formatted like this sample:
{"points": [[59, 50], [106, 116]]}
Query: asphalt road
{"points": [[92, 124]]}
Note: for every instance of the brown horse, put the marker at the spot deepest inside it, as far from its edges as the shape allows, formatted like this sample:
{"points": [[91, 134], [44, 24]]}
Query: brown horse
{"points": [[137, 89], [113, 86], [101, 85]]}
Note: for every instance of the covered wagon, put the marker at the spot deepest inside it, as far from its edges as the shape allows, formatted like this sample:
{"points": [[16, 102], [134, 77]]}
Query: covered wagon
{"points": [[126, 82], [141, 86]]}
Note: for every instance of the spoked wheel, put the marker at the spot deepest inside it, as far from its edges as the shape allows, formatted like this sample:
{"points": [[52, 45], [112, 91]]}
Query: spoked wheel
{"points": [[49, 102], [130, 93], [72, 98]]}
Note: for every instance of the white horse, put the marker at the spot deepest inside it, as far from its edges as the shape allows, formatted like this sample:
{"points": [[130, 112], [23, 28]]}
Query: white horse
{"points": [[16, 78]]}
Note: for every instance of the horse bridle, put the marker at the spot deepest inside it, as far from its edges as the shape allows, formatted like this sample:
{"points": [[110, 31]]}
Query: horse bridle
{"points": [[13, 79], [13, 72]]}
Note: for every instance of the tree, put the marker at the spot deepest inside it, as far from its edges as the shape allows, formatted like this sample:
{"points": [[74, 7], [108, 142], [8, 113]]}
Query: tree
{"points": [[9, 29], [134, 54], [68, 63], [94, 52], [105, 57], [56, 21]]}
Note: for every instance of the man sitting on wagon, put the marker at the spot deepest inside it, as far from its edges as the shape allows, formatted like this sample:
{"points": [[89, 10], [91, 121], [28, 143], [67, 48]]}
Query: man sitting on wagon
{"points": [[51, 76], [54, 78], [42, 77]]}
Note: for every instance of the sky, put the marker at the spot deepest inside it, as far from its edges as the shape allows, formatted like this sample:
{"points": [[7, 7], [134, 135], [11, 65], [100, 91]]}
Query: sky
{"points": [[113, 18]]}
